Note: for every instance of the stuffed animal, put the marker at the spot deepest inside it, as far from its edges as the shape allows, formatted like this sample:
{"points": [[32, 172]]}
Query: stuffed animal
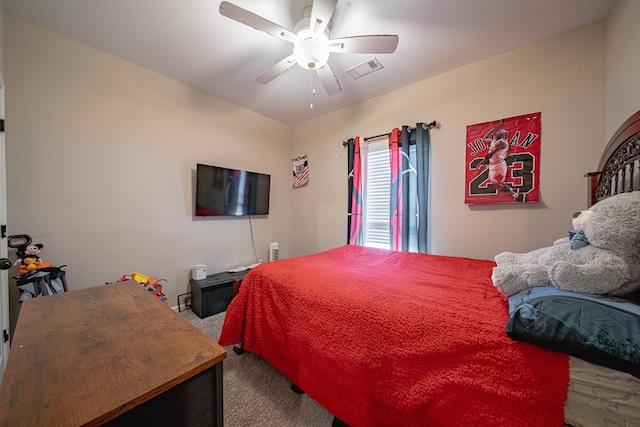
{"points": [[33, 252], [603, 257], [30, 260], [577, 237]]}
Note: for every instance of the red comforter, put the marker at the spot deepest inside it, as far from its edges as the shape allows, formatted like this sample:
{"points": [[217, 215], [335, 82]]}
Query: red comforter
{"points": [[382, 338]]}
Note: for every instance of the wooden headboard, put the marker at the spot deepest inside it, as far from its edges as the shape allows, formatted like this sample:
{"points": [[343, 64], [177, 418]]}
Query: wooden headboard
{"points": [[619, 167]]}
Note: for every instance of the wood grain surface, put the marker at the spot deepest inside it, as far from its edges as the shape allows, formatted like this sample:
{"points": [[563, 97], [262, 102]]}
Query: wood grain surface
{"points": [[84, 357]]}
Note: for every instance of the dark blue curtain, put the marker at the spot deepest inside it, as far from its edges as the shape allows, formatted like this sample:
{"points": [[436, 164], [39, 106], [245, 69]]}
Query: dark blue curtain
{"points": [[355, 230], [409, 197]]}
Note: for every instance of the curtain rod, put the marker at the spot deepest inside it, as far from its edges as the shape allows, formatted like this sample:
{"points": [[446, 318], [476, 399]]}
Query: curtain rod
{"points": [[425, 126]]}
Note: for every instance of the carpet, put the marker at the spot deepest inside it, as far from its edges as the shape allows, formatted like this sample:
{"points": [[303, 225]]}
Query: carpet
{"points": [[255, 393]]}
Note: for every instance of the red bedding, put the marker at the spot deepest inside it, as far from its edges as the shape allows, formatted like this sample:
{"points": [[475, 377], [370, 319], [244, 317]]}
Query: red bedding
{"points": [[383, 338]]}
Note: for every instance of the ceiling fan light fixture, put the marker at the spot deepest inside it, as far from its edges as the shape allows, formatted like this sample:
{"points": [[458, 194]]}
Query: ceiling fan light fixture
{"points": [[311, 53], [311, 42]]}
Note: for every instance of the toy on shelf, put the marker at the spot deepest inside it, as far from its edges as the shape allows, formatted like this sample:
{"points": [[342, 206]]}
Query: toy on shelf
{"points": [[150, 283], [28, 254]]}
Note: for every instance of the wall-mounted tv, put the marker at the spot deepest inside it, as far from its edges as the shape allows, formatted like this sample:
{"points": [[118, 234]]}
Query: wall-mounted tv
{"points": [[231, 192]]}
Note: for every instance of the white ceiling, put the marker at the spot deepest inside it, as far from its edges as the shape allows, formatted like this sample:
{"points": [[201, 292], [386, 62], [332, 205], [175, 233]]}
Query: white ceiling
{"points": [[190, 41]]}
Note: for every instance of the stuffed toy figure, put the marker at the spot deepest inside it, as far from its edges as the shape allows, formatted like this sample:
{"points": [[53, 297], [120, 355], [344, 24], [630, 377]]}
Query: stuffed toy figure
{"points": [[33, 252], [602, 257], [31, 260]]}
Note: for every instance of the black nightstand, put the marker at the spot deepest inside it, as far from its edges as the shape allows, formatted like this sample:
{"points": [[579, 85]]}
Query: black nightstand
{"points": [[213, 294]]}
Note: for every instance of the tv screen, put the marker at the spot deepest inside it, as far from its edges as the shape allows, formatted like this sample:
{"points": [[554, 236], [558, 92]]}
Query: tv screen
{"points": [[231, 192]]}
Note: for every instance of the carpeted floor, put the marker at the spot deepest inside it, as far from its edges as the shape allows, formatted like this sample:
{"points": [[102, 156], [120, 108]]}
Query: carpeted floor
{"points": [[255, 394]]}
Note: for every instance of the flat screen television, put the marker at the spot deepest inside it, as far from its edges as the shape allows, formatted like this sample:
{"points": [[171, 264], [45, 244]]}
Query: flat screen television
{"points": [[231, 192]]}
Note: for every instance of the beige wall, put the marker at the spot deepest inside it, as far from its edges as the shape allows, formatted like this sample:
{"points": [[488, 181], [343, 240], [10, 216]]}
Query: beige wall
{"points": [[622, 63], [562, 77], [101, 152], [101, 158]]}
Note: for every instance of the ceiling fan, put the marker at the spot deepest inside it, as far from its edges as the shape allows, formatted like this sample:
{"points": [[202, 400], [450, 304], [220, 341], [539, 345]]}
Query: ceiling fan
{"points": [[311, 43]]}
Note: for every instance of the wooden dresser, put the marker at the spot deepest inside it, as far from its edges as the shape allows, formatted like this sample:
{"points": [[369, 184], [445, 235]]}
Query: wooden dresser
{"points": [[114, 355]]}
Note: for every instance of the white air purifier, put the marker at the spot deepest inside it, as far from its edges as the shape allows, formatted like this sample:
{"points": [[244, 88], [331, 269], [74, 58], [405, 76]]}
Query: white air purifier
{"points": [[273, 251]]}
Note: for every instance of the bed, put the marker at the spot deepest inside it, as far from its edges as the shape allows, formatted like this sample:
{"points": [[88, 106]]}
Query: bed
{"points": [[383, 338]]}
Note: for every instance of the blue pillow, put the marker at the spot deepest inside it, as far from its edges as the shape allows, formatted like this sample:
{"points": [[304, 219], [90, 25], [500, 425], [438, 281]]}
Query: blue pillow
{"points": [[597, 328]]}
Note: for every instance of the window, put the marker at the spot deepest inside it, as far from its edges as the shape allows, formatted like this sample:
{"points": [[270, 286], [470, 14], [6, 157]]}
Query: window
{"points": [[388, 184], [377, 198], [376, 203]]}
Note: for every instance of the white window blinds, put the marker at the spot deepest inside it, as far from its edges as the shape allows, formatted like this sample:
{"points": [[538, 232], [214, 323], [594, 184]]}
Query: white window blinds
{"points": [[376, 203]]}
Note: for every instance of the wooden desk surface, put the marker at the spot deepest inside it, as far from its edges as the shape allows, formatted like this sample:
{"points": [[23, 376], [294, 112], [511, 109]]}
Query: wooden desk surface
{"points": [[87, 356]]}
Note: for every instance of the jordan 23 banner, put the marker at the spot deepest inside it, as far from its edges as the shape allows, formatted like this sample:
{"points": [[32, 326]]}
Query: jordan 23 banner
{"points": [[503, 161]]}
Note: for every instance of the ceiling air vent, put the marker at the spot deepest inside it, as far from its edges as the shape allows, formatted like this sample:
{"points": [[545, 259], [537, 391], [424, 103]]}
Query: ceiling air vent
{"points": [[365, 68]]}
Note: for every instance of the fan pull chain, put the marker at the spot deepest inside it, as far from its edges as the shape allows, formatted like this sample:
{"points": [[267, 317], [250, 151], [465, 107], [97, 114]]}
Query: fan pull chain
{"points": [[313, 90]]}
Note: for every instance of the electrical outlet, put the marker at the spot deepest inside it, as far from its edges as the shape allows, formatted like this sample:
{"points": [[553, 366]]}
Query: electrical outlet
{"points": [[184, 301]]}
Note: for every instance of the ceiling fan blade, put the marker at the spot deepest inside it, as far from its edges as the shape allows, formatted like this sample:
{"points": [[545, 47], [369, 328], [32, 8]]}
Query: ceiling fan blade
{"points": [[364, 44], [328, 80], [258, 22], [276, 70], [321, 13]]}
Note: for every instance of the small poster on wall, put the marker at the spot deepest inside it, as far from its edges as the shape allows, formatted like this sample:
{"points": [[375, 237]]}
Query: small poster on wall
{"points": [[503, 161], [300, 171]]}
